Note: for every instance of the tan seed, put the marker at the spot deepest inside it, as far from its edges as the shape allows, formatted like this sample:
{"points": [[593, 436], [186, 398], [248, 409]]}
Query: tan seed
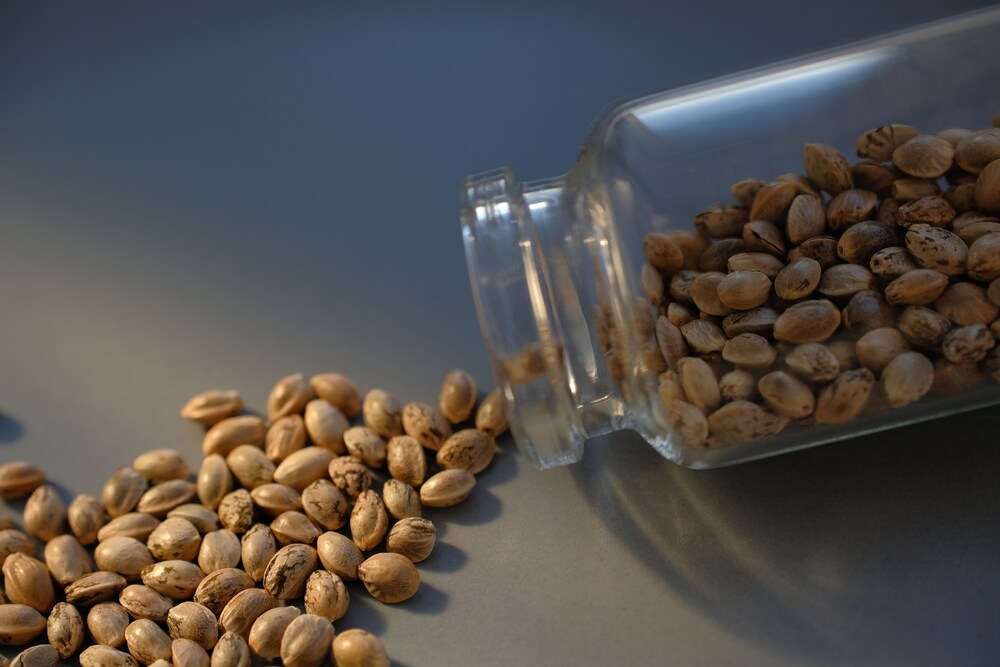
{"points": [[746, 190], [821, 248], [199, 516], [190, 620], [276, 498], [412, 537], [382, 413], [469, 449], [771, 203], [401, 500], [908, 189], [134, 524], [703, 337], [289, 396], [758, 321], [879, 144], [798, 279], [19, 624], [699, 384], [827, 168], [862, 241], [214, 480], [907, 378], [306, 641], [325, 504], [764, 236], [187, 653], [257, 548], [967, 303], [326, 595], [250, 466], [105, 656], [294, 527], [106, 623], [210, 407], [850, 207], [845, 397], [968, 344], [160, 465], [891, 262], [743, 290], [94, 587], [339, 555], [177, 579], [807, 322], [447, 488], [43, 655], [719, 222], [174, 539], [302, 468], [662, 252], [670, 388], [286, 574], [715, 258], [922, 326], [359, 648], [491, 417], [916, 288], [749, 351], [924, 156], [365, 445], [389, 577], [143, 602], [86, 517], [975, 152], [426, 424], [236, 511], [147, 641], [229, 433], [987, 191], [126, 556], [984, 258], [867, 310], [65, 630], [742, 421], [67, 560], [45, 513], [736, 385], [231, 651], [284, 436], [245, 608], [350, 475], [219, 587], [878, 347], [14, 541], [406, 460], [845, 280], [806, 219], [369, 520], [687, 423], [814, 362], [338, 390], [670, 340], [219, 550], [457, 398], [787, 395], [652, 286], [163, 497], [325, 425], [268, 630], [26, 580], [705, 293]]}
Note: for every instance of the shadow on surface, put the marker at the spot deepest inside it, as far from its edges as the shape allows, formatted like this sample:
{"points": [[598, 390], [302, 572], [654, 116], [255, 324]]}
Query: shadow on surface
{"points": [[444, 558], [11, 429], [880, 550]]}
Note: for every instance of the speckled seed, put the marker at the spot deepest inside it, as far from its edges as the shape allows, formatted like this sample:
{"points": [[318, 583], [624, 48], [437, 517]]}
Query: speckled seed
{"points": [[469, 449], [134, 524], [491, 417], [257, 548], [126, 556], [937, 248], [968, 344], [907, 378], [176, 579], [827, 168], [94, 587], [821, 248], [236, 511], [984, 258], [807, 322], [163, 497], [160, 465], [275, 498], [268, 629], [325, 504], [845, 397], [966, 303], [212, 406], [231, 651], [229, 433], [286, 573], [338, 390], [105, 656], [86, 517], [924, 156], [326, 595], [219, 550], [214, 480], [339, 555], [412, 537], [365, 445], [106, 623], [861, 241], [186, 653], [67, 560], [250, 465], [219, 587], [447, 488], [742, 421], [289, 396], [749, 351], [65, 629], [787, 395], [922, 326], [426, 424], [284, 436], [878, 144], [291, 527], [43, 655], [325, 425], [389, 577], [45, 513], [401, 500], [699, 384], [143, 602], [916, 288], [19, 624], [174, 539], [302, 468], [703, 337], [892, 262], [908, 189], [932, 210], [814, 362], [350, 475], [369, 520], [147, 641], [203, 519], [382, 413], [405, 458], [190, 620], [359, 648], [245, 608], [306, 641], [736, 385]]}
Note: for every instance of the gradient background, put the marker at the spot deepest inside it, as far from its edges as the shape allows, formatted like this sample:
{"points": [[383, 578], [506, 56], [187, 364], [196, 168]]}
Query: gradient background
{"points": [[198, 195]]}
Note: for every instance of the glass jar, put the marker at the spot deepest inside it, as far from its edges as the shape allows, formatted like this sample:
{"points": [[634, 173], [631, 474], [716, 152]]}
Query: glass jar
{"points": [[587, 336]]}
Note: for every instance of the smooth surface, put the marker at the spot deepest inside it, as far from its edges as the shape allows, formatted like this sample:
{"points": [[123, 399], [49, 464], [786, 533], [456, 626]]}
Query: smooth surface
{"points": [[201, 195]]}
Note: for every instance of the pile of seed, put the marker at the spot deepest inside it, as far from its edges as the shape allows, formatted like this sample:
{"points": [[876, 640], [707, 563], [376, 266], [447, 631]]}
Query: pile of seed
{"points": [[819, 296], [203, 572]]}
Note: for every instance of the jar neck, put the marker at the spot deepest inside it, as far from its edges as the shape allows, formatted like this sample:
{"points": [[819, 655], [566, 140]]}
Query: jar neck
{"points": [[556, 309]]}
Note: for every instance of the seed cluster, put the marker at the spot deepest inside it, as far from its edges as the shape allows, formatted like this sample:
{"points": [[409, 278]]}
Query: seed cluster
{"points": [[180, 567], [820, 296]]}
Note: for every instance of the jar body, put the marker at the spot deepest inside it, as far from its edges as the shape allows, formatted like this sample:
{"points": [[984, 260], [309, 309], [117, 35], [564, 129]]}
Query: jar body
{"points": [[586, 335]]}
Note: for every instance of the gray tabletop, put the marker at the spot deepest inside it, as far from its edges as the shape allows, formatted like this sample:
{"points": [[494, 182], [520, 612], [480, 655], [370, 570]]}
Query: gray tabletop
{"points": [[198, 195]]}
